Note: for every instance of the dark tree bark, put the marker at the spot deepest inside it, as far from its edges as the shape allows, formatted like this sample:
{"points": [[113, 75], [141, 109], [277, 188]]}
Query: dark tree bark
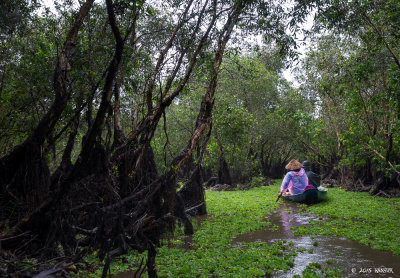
{"points": [[119, 135], [93, 158], [192, 193], [224, 176], [195, 191], [163, 53], [86, 202], [66, 164], [90, 143], [24, 174]]}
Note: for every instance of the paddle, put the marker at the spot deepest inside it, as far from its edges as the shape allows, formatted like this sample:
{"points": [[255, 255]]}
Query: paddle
{"points": [[277, 199]]}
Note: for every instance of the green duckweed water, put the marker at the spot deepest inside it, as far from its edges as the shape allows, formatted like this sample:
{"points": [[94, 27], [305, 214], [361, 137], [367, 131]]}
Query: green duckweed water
{"points": [[322, 256], [230, 214], [360, 217], [357, 216]]}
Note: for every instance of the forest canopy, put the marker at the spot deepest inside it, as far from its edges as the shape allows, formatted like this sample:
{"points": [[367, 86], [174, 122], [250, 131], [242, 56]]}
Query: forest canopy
{"points": [[115, 114]]}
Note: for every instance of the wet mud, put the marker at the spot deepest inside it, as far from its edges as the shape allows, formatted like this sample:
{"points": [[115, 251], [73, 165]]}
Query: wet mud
{"points": [[355, 259]]}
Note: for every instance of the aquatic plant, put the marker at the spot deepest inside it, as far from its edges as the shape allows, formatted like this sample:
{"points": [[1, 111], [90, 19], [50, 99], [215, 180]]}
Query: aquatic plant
{"points": [[210, 251], [373, 221]]}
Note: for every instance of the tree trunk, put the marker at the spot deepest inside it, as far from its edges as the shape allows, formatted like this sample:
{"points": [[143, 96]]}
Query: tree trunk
{"points": [[192, 193], [24, 174], [149, 203], [224, 176], [203, 120]]}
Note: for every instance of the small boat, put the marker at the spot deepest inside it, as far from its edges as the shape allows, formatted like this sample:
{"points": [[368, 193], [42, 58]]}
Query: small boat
{"points": [[309, 196]]}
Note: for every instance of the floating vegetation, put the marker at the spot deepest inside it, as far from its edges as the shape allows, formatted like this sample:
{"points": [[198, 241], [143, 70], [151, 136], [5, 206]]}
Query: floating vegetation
{"points": [[373, 221], [233, 213]]}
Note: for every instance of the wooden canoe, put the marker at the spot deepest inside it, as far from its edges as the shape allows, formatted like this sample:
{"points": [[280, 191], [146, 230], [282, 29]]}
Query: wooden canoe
{"points": [[310, 196]]}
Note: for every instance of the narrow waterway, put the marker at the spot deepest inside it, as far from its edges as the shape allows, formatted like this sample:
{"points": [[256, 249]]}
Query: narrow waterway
{"points": [[356, 260]]}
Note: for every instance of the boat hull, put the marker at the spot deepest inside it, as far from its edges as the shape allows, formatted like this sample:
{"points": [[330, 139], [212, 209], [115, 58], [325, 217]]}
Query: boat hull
{"points": [[310, 196]]}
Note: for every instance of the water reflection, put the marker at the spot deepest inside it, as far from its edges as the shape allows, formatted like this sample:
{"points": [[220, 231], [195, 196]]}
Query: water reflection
{"points": [[357, 260]]}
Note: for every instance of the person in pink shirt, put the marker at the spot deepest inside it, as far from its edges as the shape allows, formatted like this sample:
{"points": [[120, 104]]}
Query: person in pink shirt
{"points": [[296, 180]]}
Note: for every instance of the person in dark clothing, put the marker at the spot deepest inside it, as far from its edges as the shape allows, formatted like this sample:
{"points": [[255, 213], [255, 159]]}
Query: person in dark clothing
{"points": [[313, 178]]}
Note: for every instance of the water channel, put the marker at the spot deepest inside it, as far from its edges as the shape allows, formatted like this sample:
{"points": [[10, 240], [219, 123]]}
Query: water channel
{"points": [[356, 260]]}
